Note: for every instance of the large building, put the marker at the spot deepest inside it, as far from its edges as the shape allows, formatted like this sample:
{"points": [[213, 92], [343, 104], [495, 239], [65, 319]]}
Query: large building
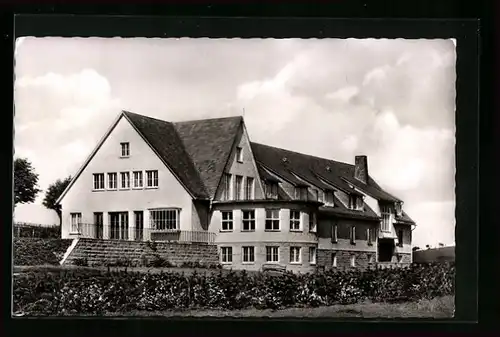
{"points": [[205, 181]]}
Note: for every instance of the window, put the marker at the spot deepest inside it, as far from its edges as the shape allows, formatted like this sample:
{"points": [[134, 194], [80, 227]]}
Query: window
{"points": [[329, 198], [369, 236], [227, 221], [239, 155], [98, 181], [238, 187], [98, 222], [137, 179], [226, 254], [334, 260], [118, 225], [301, 193], [295, 255], [312, 222], [125, 179], [152, 178], [112, 183], [370, 258], [295, 221], [400, 238], [272, 190], [272, 219], [272, 254], [164, 219], [314, 193], [334, 234], [125, 149], [249, 220], [76, 219], [249, 188], [321, 196], [355, 202], [400, 258], [353, 235], [353, 260], [399, 209], [312, 255], [248, 254], [226, 192], [386, 218]]}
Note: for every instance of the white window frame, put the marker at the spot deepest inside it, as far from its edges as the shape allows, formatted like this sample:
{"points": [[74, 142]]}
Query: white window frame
{"points": [[295, 255], [76, 219], [313, 226], [238, 188], [239, 154], [248, 254], [229, 222], [153, 180], [226, 255], [125, 178], [110, 180], [163, 221], [295, 223], [249, 220], [249, 188], [334, 259], [313, 255], [134, 180], [334, 234], [125, 149], [273, 219], [272, 251], [100, 182]]}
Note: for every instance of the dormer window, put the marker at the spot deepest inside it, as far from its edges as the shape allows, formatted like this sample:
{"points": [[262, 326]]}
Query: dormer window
{"points": [[329, 199], [272, 190], [239, 155], [399, 209], [301, 193], [125, 149], [355, 202]]}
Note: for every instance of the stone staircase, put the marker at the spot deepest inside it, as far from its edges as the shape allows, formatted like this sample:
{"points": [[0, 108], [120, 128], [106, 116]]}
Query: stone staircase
{"points": [[109, 252]]}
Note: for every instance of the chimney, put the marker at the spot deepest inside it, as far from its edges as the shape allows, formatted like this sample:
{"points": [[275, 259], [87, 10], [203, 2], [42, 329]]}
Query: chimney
{"points": [[361, 168]]}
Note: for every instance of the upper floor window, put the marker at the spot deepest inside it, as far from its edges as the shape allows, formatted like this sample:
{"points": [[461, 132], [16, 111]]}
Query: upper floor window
{"points": [[138, 179], [272, 190], [248, 220], [400, 238], [295, 221], [164, 219], [152, 178], [329, 198], [112, 183], [125, 179], [227, 221], [301, 193], [272, 220], [239, 155], [98, 181], [125, 149], [386, 218], [76, 219], [226, 191], [312, 222], [249, 188], [238, 188]]}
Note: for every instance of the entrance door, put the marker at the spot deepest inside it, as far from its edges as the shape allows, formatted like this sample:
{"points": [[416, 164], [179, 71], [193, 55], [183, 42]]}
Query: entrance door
{"points": [[385, 250], [98, 222], [118, 225], [139, 225]]}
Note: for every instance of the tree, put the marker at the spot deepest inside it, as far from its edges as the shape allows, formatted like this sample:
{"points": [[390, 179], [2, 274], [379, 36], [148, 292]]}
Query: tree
{"points": [[25, 182], [53, 193]]}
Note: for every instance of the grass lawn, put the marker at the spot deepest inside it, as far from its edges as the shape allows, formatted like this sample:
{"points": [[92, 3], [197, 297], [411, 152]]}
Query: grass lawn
{"points": [[441, 307]]}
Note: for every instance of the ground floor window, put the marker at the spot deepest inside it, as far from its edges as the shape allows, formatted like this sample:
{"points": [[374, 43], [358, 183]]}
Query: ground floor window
{"points": [[226, 254], [295, 255], [76, 219], [248, 254], [334, 260], [312, 255], [164, 219], [272, 254], [98, 222], [118, 222], [353, 260]]}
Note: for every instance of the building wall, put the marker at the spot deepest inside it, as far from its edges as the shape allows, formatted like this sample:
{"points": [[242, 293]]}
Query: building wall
{"points": [[81, 197], [343, 234], [362, 259], [407, 237]]}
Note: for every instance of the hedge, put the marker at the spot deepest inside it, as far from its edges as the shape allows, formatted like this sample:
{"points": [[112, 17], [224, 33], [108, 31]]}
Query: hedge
{"points": [[36, 231], [31, 252], [97, 292]]}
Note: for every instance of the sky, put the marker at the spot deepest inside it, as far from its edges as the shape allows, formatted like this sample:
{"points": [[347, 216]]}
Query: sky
{"points": [[392, 100]]}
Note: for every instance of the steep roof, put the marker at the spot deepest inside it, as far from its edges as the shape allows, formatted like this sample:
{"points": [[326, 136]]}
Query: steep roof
{"points": [[208, 143], [163, 138], [339, 175]]}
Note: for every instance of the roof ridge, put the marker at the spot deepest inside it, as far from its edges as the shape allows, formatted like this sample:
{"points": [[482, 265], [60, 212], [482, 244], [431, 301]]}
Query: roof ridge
{"points": [[208, 119]]}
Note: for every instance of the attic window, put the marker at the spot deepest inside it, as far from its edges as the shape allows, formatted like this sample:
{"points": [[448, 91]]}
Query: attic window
{"points": [[399, 208], [301, 193], [239, 155], [328, 168], [125, 149], [271, 190], [328, 198], [285, 160], [355, 202]]}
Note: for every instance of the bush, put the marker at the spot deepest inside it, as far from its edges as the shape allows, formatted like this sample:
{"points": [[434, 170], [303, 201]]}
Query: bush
{"points": [[30, 252], [94, 292], [37, 231]]}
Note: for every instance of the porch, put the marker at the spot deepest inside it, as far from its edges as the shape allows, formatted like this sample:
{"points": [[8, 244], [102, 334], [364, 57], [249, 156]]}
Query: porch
{"points": [[120, 231]]}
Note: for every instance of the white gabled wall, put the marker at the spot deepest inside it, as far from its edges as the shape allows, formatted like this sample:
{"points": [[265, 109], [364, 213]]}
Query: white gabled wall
{"points": [[82, 199]]}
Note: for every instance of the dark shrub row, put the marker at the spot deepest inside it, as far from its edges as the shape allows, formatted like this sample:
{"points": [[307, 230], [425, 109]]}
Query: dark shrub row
{"points": [[94, 292], [34, 231], [31, 252]]}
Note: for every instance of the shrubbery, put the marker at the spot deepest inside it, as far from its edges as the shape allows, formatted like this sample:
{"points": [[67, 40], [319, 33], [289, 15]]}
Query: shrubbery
{"points": [[30, 252], [37, 231], [96, 292]]}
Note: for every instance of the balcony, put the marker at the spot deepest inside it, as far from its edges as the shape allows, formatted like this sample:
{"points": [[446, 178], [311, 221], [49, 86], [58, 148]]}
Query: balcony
{"points": [[126, 233]]}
